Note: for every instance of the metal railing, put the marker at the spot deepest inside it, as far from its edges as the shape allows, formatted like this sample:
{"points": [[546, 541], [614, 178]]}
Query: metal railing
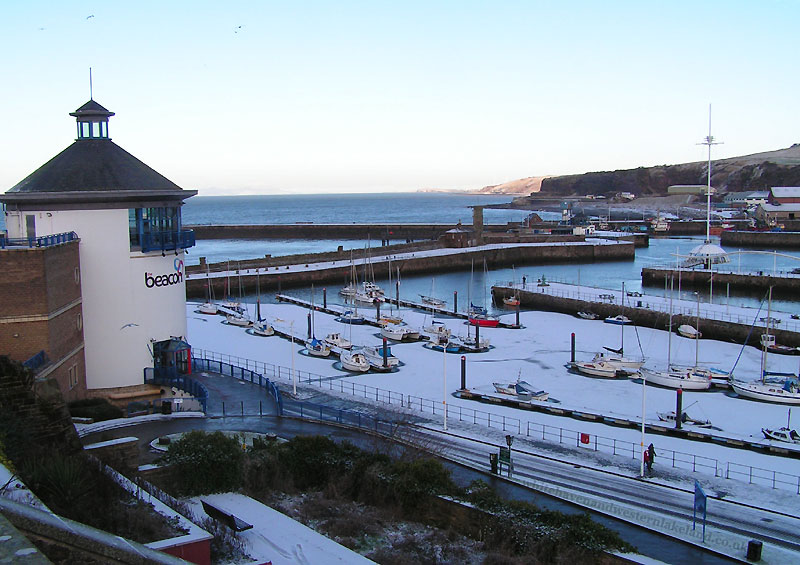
{"points": [[508, 424], [167, 240], [43, 241], [169, 377], [613, 297], [211, 365]]}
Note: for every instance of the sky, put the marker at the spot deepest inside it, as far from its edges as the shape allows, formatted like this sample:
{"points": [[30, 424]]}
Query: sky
{"points": [[298, 97]]}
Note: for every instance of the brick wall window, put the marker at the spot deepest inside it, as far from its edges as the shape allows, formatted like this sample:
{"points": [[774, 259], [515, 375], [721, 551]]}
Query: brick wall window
{"points": [[77, 275], [73, 376], [79, 322]]}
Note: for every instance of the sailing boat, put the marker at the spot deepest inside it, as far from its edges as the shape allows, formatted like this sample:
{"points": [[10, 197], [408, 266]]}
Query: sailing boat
{"points": [[391, 317], [369, 292], [430, 299], [783, 389], [240, 317], [786, 433], [314, 346], [209, 307], [513, 300], [616, 357], [261, 326], [478, 315], [685, 379], [352, 358], [351, 316], [229, 303]]}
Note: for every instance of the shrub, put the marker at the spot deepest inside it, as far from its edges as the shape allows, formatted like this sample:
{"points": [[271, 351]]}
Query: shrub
{"points": [[98, 409], [205, 463]]}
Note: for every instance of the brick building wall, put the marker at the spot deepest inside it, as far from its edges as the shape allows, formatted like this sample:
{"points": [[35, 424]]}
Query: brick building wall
{"points": [[40, 310]]}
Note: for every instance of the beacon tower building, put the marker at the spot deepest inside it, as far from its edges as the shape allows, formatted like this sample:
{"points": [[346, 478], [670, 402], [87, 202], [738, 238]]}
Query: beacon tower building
{"points": [[127, 218]]}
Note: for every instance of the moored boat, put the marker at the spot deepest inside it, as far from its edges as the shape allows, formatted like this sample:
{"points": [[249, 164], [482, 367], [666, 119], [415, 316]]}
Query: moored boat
{"points": [[781, 434], [686, 379], [619, 319], [785, 392], [529, 392], [354, 360], [686, 330], [380, 357], [317, 348], [599, 369], [685, 419], [396, 332], [337, 340], [263, 328], [350, 317], [587, 315]]}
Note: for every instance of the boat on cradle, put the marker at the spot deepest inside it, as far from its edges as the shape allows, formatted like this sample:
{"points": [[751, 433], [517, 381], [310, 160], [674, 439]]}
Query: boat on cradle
{"points": [[336, 340], [686, 330], [772, 387], [783, 349], [437, 331], [685, 379], [529, 392], [348, 291], [397, 332], [350, 317], [511, 301], [510, 388], [448, 344], [263, 328], [587, 315], [622, 363], [619, 319], [208, 308], [354, 360], [782, 391], [685, 419], [317, 348], [782, 434], [375, 356], [596, 369], [470, 344], [431, 301]]}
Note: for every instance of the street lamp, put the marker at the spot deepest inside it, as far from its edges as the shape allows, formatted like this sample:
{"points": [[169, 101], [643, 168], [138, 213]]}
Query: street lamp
{"points": [[294, 375], [444, 382]]}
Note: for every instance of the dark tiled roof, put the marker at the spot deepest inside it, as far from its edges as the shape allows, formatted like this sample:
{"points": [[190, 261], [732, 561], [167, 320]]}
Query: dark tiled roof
{"points": [[91, 108], [93, 165]]}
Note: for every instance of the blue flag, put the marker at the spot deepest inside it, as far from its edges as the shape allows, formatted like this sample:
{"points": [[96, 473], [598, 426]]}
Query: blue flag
{"points": [[699, 506]]}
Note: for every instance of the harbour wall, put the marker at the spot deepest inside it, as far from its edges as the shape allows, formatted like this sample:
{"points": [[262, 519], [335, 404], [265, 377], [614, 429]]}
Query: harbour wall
{"points": [[276, 277], [763, 239], [713, 329], [785, 285], [335, 231]]}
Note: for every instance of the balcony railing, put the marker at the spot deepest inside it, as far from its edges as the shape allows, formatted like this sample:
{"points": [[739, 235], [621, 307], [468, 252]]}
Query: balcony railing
{"points": [[43, 241], [167, 240]]}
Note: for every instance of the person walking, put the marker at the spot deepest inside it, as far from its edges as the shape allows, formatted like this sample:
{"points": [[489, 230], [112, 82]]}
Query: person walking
{"points": [[646, 457], [651, 455]]}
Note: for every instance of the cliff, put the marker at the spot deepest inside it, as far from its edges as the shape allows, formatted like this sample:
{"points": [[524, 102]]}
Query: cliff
{"points": [[750, 172]]}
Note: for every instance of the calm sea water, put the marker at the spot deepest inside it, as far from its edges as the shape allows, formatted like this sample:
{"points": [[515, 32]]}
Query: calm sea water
{"points": [[401, 208]]}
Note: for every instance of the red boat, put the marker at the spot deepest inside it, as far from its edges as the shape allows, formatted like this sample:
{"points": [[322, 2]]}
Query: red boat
{"points": [[484, 320]]}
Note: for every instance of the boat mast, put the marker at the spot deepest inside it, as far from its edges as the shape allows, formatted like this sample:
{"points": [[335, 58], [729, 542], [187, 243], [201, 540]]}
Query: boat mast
{"points": [[697, 334], [709, 141], [669, 337], [622, 325], [766, 341]]}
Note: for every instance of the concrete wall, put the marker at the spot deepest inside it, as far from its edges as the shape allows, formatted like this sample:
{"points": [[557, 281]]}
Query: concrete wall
{"points": [[425, 264], [764, 240]]}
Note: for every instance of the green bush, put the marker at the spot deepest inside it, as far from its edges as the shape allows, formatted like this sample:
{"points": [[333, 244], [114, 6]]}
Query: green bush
{"points": [[205, 463], [98, 409]]}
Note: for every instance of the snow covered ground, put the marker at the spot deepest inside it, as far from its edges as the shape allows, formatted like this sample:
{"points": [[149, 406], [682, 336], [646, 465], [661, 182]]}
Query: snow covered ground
{"points": [[538, 354], [277, 537]]}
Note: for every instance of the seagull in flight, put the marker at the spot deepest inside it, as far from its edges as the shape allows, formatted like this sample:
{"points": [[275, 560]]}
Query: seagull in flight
{"points": [[131, 325], [89, 17]]}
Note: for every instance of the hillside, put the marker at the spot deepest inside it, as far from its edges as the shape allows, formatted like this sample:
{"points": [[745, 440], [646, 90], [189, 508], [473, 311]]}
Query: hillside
{"points": [[749, 172]]}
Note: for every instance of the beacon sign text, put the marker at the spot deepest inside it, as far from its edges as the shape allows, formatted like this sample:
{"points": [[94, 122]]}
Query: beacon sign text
{"points": [[165, 280]]}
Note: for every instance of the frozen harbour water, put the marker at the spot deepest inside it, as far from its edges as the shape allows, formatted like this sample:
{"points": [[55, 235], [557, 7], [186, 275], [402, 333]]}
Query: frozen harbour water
{"points": [[539, 352]]}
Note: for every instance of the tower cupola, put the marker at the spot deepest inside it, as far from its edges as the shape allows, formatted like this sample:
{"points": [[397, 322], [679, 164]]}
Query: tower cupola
{"points": [[92, 120]]}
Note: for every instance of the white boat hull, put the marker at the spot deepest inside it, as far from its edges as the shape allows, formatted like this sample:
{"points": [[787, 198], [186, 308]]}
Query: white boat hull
{"points": [[208, 308], [263, 329], [601, 369], [355, 362], [685, 380], [766, 392], [621, 363], [241, 321]]}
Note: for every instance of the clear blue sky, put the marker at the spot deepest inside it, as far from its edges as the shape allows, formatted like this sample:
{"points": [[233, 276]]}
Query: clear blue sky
{"points": [[386, 96]]}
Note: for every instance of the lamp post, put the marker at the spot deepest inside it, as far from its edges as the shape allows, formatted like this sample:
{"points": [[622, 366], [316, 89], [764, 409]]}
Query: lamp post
{"points": [[294, 375], [444, 382], [509, 441]]}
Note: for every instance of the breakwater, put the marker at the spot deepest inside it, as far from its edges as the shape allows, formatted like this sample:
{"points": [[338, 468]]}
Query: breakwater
{"points": [[784, 284], [761, 239], [267, 276], [335, 231], [641, 316]]}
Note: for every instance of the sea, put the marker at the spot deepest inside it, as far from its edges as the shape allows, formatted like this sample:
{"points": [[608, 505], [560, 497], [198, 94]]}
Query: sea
{"points": [[471, 286]]}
